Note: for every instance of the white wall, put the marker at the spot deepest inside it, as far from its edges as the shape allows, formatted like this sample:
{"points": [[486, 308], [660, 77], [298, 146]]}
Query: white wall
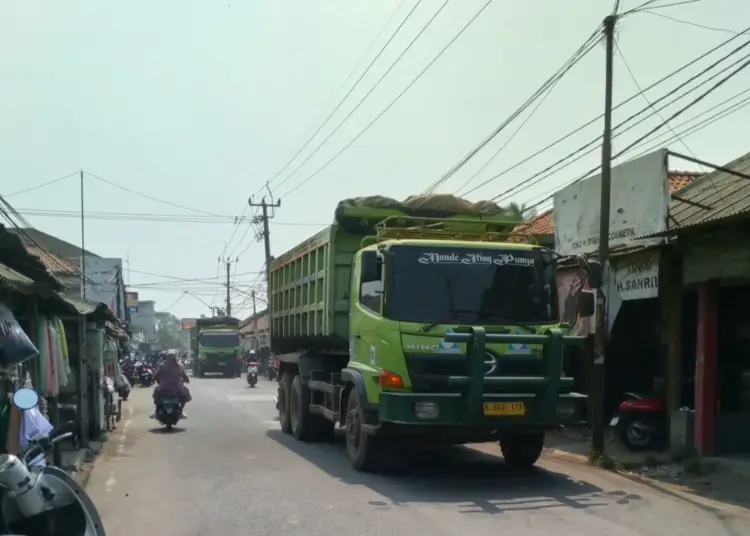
{"points": [[145, 319]]}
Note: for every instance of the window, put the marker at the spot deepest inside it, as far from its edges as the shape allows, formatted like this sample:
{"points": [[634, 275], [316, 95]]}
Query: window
{"points": [[370, 282], [448, 285]]}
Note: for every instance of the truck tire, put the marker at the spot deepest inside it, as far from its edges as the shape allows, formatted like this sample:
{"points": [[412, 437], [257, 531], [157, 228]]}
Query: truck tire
{"points": [[521, 451], [364, 450], [285, 390], [299, 410], [199, 371]]}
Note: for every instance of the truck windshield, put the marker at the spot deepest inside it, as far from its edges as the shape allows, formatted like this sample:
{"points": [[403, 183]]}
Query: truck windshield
{"points": [[219, 340], [471, 286]]}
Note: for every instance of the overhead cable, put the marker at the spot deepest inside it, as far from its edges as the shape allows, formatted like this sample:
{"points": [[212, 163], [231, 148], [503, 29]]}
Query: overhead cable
{"points": [[394, 101], [372, 89], [623, 103]]}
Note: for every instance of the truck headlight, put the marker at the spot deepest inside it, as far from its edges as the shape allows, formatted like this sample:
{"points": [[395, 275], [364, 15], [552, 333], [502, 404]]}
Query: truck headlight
{"points": [[426, 410]]}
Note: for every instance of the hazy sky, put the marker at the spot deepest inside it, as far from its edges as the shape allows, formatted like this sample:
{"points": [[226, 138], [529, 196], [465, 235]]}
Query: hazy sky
{"points": [[200, 103]]}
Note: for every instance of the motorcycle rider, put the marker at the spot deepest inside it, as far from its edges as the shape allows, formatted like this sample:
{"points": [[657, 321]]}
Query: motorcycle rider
{"points": [[171, 376]]}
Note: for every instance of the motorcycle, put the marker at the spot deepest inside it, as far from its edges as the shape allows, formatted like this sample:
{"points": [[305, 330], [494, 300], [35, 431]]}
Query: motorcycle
{"points": [[641, 421], [272, 370], [168, 409], [146, 376], [43, 500], [252, 373], [129, 371]]}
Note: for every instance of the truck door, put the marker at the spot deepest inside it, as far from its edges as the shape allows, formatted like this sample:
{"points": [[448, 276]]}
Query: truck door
{"points": [[365, 309]]}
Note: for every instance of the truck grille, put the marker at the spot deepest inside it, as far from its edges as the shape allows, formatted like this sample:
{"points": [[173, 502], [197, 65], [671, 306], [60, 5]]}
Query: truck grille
{"points": [[430, 372]]}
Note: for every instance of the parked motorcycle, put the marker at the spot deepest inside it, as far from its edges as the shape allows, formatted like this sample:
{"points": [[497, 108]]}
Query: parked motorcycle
{"points": [[272, 370], [168, 409], [641, 421], [43, 500], [129, 371], [252, 373], [146, 376]]}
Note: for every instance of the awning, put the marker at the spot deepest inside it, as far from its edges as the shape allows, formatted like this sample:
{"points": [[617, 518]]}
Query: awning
{"points": [[98, 311], [13, 280]]}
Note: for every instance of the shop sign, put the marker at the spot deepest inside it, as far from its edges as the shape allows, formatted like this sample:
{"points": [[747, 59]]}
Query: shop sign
{"points": [[637, 277], [639, 204]]}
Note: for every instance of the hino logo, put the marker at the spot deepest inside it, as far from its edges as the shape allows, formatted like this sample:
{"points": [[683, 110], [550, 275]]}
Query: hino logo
{"points": [[490, 364]]}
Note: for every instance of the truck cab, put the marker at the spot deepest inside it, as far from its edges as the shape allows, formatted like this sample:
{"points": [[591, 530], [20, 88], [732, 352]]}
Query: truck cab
{"points": [[217, 347]]}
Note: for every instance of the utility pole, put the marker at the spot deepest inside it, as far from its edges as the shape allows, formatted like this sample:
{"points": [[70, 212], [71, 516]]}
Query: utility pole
{"points": [[600, 337], [255, 309], [229, 303], [83, 245], [264, 206]]}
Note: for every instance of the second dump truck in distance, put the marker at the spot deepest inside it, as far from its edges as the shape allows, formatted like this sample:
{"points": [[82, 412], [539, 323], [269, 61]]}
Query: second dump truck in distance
{"points": [[411, 328]]}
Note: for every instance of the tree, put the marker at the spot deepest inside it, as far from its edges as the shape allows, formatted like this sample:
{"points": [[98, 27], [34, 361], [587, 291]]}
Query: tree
{"points": [[519, 213]]}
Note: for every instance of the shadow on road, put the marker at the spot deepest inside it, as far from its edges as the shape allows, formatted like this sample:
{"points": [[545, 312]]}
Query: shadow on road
{"points": [[474, 481], [163, 430]]}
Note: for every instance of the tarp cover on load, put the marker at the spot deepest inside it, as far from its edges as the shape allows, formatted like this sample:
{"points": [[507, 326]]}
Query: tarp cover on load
{"points": [[430, 202]]}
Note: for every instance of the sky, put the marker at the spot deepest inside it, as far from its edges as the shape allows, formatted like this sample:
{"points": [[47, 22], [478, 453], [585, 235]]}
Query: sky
{"points": [[182, 110]]}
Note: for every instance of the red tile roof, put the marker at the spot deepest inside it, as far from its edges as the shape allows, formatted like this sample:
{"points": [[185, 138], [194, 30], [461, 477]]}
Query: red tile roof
{"points": [[544, 224], [54, 264]]}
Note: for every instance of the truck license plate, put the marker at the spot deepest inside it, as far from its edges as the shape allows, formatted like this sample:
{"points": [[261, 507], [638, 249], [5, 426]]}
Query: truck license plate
{"points": [[504, 409], [222, 363]]}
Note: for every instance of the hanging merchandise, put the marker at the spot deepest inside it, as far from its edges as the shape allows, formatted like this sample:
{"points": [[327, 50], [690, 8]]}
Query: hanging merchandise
{"points": [[41, 370], [63, 362], [15, 345], [54, 356]]}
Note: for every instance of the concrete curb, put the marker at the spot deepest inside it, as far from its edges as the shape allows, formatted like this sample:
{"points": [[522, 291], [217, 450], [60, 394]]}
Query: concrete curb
{"points": [[665, 487]]}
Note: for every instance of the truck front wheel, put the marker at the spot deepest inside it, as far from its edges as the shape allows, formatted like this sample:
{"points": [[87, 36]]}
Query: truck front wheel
{"points": [[284, 393], [522, 451], [364, 450]]}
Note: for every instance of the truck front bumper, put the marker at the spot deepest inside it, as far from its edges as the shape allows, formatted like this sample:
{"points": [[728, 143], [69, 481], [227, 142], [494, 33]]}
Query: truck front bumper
{"points": [[494, 410]]}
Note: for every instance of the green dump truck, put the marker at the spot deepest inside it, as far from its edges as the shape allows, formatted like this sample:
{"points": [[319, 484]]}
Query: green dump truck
{"points": [[413, 325], [216, 346]]}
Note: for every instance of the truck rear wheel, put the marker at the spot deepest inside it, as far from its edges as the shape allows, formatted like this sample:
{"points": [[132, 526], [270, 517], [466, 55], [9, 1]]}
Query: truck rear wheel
{"points": [[364, 450], [284, 393], [521, 451], [299, 410]]}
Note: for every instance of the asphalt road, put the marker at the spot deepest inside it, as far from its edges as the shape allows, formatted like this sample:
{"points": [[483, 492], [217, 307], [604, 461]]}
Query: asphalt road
{"points": [[230, 471]]}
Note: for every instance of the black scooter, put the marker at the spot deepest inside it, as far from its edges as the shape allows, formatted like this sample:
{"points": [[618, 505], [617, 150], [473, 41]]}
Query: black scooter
{"points": [[168, 409], [252, 373]]}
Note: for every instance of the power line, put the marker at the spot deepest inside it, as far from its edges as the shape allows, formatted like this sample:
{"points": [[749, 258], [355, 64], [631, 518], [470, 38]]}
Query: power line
{"points": [[640, 141], [394, 101], [374, 87], [216, 278], [689, 23], [351, 89], [623, 103], [540, 94], [42, 185], [648, 101], [535, 179], [156, 218], [166, 309], [539, 200], [145, 196]]}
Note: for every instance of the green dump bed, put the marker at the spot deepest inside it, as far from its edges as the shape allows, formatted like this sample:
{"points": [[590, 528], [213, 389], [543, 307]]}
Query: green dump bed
{"points": [[309, 303]]}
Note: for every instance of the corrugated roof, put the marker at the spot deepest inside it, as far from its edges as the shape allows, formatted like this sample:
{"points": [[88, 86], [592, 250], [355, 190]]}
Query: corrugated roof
{"points": [[544, 223], [55, 264], [10, 278], [716, 196], [59, 247]]}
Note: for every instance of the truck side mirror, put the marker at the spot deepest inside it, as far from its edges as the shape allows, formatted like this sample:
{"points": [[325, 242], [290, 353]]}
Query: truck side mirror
{"points": [[586, 304], [593, 269]]}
